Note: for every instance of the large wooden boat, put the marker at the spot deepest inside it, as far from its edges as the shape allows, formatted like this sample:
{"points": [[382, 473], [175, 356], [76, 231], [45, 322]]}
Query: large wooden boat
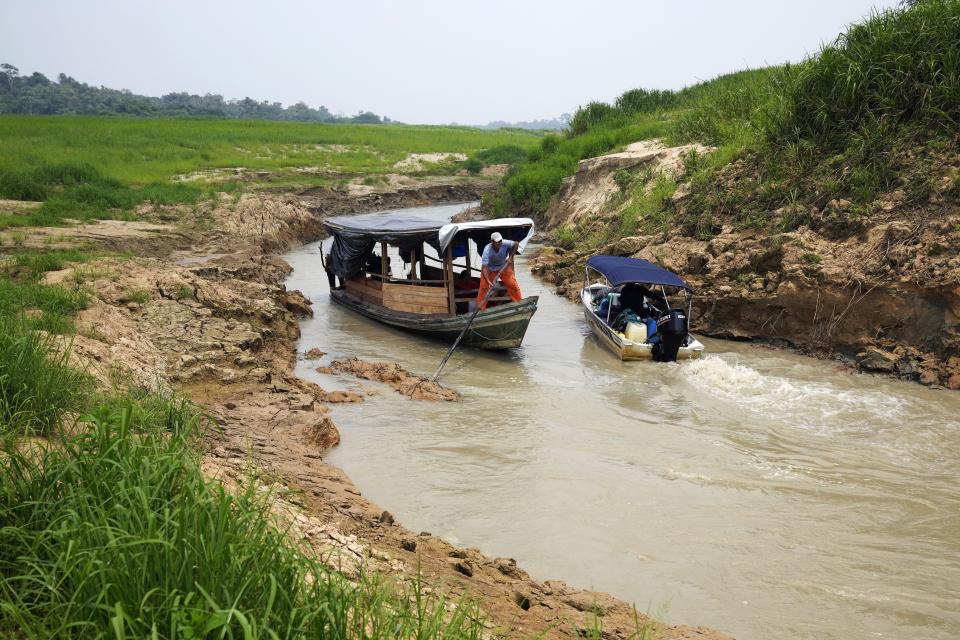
{"points": [[437, 294]]}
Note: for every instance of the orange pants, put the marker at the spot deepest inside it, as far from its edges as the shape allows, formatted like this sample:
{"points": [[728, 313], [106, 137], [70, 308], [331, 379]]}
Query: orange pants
{"points": [[508, 278]]}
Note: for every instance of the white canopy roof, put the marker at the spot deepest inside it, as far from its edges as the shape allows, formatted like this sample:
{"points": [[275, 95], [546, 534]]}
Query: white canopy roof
{"points": [[449, 231]]}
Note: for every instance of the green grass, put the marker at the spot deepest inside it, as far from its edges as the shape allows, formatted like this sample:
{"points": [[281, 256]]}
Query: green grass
{"points": [[116, 533], [500, 154], [140, 296], [55, 303], [40, 306], [138, 152], [81, 192], [877, 108], [712, 112], [37, 385], [898, 67], [532, 184], [87, 168], [109, 529], [32, 264]]}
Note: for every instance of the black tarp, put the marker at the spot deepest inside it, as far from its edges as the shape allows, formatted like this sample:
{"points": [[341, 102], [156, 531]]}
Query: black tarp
{"points": [[356, 237]]}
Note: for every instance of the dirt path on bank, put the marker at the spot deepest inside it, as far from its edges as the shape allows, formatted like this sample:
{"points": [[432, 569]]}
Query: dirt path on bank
{"points": [[204, 310]]}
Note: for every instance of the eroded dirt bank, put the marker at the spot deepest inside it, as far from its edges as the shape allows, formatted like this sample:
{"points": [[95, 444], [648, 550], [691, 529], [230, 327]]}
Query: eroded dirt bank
{"points": [[204, 310], [879, 290]]}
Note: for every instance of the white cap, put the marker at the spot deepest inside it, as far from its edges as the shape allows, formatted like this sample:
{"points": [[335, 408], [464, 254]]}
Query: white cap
{"points": [[496, 237]]}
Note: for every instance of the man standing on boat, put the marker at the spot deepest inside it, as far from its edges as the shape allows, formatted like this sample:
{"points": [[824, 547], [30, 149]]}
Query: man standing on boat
{"points": [[498, 259]]}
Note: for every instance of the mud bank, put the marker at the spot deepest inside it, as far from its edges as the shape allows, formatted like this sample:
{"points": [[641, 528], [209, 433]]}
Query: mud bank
{"points": [[880, 293], [354, 198], [208, 314]]}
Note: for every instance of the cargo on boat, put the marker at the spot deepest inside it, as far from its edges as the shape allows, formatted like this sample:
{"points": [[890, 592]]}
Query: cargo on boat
{"points": [[628, 304], [411, 272]]}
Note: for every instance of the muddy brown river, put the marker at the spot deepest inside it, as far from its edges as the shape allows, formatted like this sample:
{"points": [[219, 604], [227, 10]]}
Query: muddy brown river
{"points": [[761, 493]]}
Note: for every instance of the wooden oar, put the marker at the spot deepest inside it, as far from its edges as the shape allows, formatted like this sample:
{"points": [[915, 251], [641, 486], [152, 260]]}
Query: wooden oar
{"points": [[456, 342]]}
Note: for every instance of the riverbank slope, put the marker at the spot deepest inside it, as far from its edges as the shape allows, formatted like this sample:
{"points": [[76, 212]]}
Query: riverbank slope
{"points": [[192, 299], [815, 206]]}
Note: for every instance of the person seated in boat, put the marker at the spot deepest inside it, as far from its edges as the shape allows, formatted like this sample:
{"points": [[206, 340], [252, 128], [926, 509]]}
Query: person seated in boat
{"points": [[498, 259], [374, 263], [644, 305]]}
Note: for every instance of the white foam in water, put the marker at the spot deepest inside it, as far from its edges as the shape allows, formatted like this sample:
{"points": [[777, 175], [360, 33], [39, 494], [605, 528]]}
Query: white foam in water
{"points": [[818, 406]]}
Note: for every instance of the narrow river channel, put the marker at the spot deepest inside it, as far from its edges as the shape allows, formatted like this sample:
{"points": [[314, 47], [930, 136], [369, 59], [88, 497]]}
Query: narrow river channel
{"points": [[761, 493]]}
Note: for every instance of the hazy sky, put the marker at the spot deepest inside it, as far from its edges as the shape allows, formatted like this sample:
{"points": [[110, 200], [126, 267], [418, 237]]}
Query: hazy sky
{"points": [[426, 61]]}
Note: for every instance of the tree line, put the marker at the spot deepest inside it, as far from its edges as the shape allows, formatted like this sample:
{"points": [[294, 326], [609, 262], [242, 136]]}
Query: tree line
{"points": [[35, 94]]}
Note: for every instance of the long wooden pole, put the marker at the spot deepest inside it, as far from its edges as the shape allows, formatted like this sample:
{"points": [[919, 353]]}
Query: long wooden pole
{"points": [[456, 342]]}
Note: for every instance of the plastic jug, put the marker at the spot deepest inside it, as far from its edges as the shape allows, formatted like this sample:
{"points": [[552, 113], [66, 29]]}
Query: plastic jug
{"points": [[636, 332]]}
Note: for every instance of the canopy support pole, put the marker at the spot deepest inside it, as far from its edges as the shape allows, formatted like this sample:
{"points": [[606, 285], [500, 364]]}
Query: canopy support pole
{"points": [[448, 275], [384, 262]]}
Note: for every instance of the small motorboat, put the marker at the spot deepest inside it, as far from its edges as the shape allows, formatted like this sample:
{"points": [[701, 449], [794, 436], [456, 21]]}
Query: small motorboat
{"points": [[629, 304]]}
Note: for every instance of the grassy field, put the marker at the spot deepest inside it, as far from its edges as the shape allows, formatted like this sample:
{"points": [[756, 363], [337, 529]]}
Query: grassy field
{"points": [[98, 167], [140, 151], [871, 112]]}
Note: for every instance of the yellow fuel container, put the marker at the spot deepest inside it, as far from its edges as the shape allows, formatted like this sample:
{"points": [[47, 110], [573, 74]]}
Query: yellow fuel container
{"points": [[636, 332]]}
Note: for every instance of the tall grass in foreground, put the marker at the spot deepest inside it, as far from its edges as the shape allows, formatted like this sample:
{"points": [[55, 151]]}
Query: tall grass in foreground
{"points": [[115, 533], [37, 384]]}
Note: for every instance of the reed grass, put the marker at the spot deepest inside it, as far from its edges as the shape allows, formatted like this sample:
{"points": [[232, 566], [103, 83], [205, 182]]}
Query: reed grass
{"points": [[115, 532], [37, 384], [833, 126], [899, 67]]}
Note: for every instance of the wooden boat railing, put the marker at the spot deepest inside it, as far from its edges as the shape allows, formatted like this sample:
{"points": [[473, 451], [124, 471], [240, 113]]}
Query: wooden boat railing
{"points": [[418, 295]]}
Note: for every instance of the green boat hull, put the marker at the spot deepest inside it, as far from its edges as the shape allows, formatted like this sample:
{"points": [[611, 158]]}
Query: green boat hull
{"points": [[500, 327]]}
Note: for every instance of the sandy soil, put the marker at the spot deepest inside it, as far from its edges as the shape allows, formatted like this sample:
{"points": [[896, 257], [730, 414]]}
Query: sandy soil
{"points": [[416, 161], [203, 309]]}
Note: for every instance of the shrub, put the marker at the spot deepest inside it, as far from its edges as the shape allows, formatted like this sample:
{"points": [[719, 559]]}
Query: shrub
{"points": [[502, 154]]}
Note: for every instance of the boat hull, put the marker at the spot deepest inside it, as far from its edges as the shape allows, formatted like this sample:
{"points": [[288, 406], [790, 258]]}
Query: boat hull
{"points": [[500, 327], [627, 349]]}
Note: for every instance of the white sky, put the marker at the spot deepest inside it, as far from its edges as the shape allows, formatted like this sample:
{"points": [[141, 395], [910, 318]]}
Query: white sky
{"points": [[429, 61]]}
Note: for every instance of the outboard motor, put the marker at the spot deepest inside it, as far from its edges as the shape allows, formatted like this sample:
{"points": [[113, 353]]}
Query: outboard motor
{"points": [[672, 328]]}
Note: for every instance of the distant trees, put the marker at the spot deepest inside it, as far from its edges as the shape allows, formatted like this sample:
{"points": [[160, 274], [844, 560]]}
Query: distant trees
{"points": [[560, 122], [38, 95]]}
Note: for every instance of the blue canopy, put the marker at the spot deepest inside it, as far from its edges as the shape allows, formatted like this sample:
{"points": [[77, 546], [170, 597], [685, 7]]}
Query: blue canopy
{"points": [[619, 271]]}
